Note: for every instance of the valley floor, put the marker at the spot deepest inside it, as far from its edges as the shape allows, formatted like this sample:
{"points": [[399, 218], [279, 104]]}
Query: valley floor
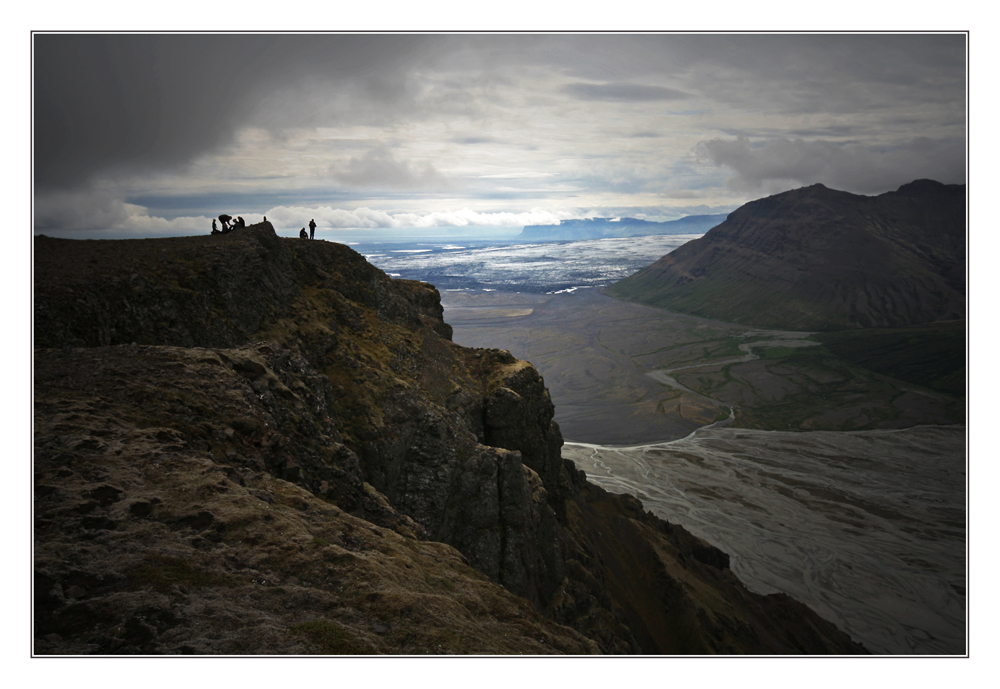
{"points": [[838, 485], [597, 355]]}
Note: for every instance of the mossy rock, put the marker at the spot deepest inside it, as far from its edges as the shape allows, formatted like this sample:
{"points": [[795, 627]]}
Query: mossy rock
{"points": [[163, 572], [330, 638]]}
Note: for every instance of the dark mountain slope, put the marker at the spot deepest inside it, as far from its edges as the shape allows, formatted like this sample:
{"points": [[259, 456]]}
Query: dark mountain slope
{"points": [[247, 444], [819, 259]]}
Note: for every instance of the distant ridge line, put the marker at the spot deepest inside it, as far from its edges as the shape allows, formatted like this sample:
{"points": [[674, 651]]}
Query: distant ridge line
{"points": [[601, 228]]}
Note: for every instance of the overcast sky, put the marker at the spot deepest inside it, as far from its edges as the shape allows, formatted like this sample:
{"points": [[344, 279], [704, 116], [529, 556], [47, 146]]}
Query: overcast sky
{"points": [[154, 135]]}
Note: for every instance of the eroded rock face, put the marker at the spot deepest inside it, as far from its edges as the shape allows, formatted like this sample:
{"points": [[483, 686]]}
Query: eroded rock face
{"points": [[168, 530], [330, 401]]}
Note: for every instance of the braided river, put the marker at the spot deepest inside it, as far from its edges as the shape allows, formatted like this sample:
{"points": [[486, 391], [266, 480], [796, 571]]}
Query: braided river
{"points": [[865, 527]]}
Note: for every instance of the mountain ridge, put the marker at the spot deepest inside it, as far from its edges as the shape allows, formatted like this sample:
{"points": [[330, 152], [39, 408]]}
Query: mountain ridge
{"points": [[815, 258]]}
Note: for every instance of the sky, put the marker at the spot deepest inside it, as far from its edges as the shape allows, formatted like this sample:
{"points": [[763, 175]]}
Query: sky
{"points": [[409, 135]]}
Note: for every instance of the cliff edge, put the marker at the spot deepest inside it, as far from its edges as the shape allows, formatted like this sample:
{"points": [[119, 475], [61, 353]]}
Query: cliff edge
{"points": [[246, 444]]}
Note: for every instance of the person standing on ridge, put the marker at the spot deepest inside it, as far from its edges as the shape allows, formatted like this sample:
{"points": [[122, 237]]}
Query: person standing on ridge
{"points": [[312, 229], [215, 230]]}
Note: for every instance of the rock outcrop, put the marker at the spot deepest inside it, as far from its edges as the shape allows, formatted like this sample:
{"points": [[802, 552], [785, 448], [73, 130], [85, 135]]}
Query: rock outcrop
{"points": [[247, 444], [820, 259]]}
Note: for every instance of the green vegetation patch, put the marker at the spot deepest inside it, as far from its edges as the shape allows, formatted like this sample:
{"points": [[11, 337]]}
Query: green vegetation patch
{"points": [[778, 352], [813, 388], [930, 355], [330, 638]]}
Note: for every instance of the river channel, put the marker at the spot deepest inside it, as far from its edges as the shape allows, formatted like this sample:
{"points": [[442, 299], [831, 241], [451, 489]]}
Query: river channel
{"points": [[865, 527]]}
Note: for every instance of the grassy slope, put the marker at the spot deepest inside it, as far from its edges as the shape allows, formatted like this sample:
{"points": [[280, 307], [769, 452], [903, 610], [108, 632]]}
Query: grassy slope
{"points": [[931, 355]]}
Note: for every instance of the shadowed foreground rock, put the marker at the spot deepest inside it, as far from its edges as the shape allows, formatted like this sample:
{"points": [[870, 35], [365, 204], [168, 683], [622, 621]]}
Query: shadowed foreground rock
{"points": [[246, 444]]}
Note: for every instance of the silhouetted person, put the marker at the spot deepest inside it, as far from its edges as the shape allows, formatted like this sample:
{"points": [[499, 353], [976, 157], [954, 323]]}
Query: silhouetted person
{"points": [[241, 221], [303, 235], [215, 229], [312, 229], [224, 219]]}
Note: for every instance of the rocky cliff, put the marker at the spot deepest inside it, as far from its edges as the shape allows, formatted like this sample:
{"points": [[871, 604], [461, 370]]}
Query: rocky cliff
{"points": [[248, 444], [820, 259]]}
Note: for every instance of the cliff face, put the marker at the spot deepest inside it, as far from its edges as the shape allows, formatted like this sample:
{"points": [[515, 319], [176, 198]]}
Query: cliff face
{"points": [[820, 259], [246, 444]]}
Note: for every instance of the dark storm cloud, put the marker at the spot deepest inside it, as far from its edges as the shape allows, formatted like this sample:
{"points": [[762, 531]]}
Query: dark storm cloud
{"points": [[146, 102], [79, 210], [622, 92]]}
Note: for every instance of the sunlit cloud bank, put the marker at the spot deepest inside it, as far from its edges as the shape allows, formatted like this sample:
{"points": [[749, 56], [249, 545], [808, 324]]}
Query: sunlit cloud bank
{"points": [[366, 218], [99, 214]]}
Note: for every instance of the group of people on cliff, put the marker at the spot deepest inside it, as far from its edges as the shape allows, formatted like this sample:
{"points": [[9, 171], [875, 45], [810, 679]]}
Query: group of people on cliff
{"points": [[312, 231], [229, 224]]}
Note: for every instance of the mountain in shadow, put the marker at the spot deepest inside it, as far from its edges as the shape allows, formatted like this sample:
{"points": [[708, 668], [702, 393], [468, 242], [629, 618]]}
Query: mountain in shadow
{"points": [[820, 259]]}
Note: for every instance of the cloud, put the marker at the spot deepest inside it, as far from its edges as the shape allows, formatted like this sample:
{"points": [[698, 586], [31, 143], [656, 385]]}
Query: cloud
{"points": [[851, 75], [121, 103], [524, 174], [284, 217], [76, 210], [100, 214], [622, 92], [380, 168], [474, 140], [583, 119], [850, 167]]}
